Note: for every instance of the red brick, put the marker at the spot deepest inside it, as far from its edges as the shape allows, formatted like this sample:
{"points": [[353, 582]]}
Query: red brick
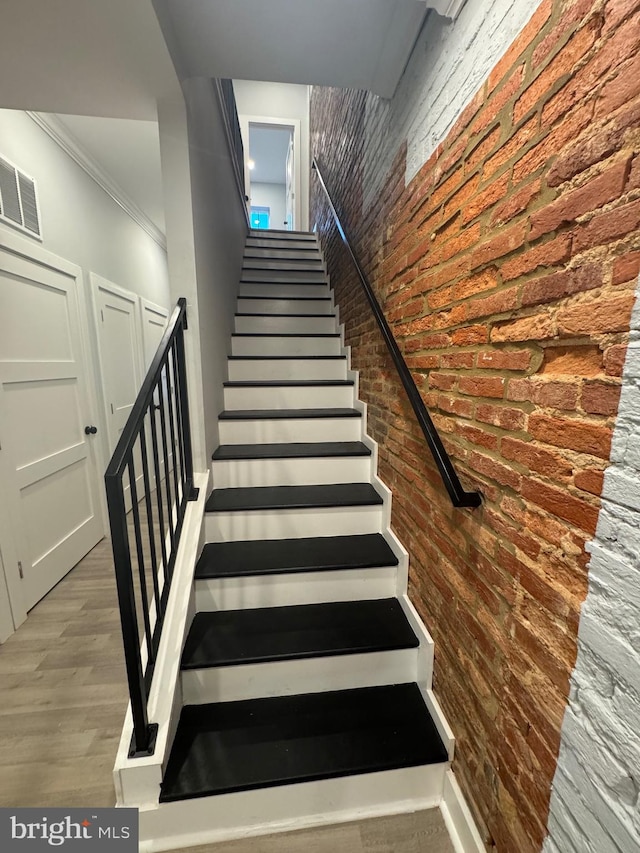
{"points": [[626, 268], [571, 15], [576, 360], [560, 284], [633, 183], [548, 147], [502, 244], [457, 359], [616, 11], [623, 88], [536, 328], [504, 359], [522, 41], [478, 283], [482, 386], [505, 417], [599, 398], [556, 395], [545, 255], [485, 199], [477, 436], [481, 148], [494, 470], [458, 244], [470, 335], [573, 434], [560, 66], [590, 481], [594, 147], [424, 362], [535, 458], [591, 196], [497, 303], [498, 99], [561, 504], [614, 357], [443, 381], [602, 315], [462, 408], [512, 146], [516, 203]]}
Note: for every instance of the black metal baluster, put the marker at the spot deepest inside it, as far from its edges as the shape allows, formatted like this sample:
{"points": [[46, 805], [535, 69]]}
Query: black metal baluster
{"points": [[179, 416], [156, 467], [143, 580], [167, 479], [192, 493], [150, 526], [172, 432]]}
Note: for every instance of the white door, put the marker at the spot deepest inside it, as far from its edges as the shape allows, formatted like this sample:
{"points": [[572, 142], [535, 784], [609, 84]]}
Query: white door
{"points": [[289, 192], [47, 465], [118, 327], [154, 322]]}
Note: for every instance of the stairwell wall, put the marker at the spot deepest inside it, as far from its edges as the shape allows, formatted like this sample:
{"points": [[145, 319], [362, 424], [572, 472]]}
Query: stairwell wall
{"points": [[504, 249]]}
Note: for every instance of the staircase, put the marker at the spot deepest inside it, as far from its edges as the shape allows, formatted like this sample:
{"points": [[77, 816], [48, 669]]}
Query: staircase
{"points": [[306, 673]]}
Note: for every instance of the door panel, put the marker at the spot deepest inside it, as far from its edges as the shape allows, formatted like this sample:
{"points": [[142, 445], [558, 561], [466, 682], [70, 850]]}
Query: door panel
{"points": [[48, 469]]}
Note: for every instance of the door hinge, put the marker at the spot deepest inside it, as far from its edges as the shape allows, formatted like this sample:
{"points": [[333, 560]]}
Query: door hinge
{"points": [[111, 404], [20, 571], [102, 314]]}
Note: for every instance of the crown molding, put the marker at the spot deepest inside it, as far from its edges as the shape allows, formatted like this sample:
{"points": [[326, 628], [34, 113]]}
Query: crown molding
{"points": [[446, 8], [61, 135]]}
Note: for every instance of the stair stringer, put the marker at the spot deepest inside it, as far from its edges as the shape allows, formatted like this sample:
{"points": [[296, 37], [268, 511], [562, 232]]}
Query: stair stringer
{"points": [[137, 780]]}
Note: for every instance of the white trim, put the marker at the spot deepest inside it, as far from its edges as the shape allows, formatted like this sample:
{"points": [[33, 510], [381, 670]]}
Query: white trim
{"points": [[458, 819], [60, 135], [447, 8], [245, 121]]}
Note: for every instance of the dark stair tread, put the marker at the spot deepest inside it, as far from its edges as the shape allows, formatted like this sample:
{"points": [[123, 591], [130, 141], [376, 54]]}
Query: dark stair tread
{"points": [[286, 383], [276, 556], [292, 450], [232, 637], [286, 414], [239, 746], [292, 497]]}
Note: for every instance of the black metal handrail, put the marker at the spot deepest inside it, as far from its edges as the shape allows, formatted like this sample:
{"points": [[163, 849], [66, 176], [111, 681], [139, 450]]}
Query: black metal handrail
{"points": [[233, 133], [160, 414], [459, 496]]}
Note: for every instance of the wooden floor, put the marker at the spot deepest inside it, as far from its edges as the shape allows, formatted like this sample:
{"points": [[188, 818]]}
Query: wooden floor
{"points": [[63, 699]]}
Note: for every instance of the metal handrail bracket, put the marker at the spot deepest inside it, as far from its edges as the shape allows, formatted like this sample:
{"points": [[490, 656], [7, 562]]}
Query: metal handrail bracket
{"points": [[459, 496]]}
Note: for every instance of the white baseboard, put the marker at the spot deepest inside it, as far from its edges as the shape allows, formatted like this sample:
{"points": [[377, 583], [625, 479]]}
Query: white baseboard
{"points": [[458, 818]]}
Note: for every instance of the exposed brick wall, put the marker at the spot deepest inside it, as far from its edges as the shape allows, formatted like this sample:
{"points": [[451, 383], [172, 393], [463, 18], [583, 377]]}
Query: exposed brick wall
{"points": [[506, 268]]}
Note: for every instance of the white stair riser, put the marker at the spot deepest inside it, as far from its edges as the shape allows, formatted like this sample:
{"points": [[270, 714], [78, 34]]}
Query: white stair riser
{"points": [[291, 245], [283, 275], [282, 290], [205, 820], [237, 473], [280, 430], [289, 397], [292, 523], [287, 368], [301, 253], [285, 306], [289, 264], [268, 325], [277, 345], [295, 588], [286, 678]]}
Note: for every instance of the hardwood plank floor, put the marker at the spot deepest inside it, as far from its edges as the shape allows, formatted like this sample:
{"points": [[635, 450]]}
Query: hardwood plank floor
{"points": [[64, 696]]}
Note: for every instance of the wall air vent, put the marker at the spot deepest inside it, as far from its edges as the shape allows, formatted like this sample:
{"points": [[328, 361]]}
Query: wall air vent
{"points": [[18, 199]]}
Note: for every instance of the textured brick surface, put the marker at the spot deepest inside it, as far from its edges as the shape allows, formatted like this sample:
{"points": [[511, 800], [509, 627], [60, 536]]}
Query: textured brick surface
{"points": [[506, 267]]}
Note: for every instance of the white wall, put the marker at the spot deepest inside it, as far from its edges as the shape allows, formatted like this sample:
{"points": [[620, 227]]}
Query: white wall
{"points": [[449, 63], [80, 222], [272, 196], [286, 101], [596, 789], [220, 230]]}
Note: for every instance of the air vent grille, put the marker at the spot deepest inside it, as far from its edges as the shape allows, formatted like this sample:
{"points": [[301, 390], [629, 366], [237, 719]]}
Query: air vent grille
{"points": [[18, 199]]}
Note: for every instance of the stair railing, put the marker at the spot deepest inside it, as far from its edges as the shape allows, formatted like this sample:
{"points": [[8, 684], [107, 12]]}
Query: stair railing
{"points": [[150, 474], [459, 496]]}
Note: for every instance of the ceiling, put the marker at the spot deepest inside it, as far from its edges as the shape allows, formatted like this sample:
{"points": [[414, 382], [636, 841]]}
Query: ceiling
{"points": [[93, 60]]}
